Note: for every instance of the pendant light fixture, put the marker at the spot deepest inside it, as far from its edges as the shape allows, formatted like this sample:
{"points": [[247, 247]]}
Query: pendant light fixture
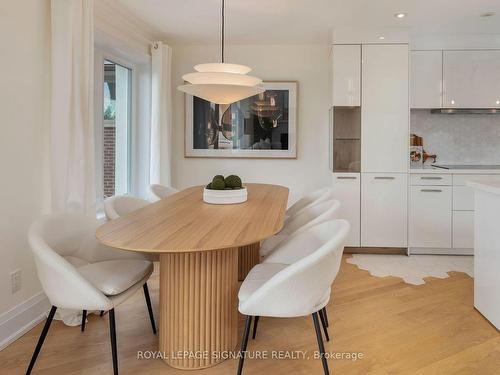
{"points": [[221, 83]]}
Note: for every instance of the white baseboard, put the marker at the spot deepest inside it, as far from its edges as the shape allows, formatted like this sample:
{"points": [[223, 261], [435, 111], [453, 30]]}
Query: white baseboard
{"points": [[20, 319]]}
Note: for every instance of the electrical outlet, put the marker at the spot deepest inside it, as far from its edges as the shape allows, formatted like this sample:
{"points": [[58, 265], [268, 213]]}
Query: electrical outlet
{"points": [[15, 281]]}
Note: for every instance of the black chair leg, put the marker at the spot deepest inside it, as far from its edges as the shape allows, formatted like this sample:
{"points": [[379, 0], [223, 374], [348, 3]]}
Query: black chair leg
{"points": [[244, 343], [84, 318], [320, 343], [150, 308], [102, 312], [112, 335], [41, 339], [325, 315], [254, 333], [323, 323]]}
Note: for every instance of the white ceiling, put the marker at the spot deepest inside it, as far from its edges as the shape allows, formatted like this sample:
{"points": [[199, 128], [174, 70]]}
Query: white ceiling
{"points": [[309, 21]]}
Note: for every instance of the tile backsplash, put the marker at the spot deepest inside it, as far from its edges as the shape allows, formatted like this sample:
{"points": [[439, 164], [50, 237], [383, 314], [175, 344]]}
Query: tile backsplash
{"points": [[458, 138]]}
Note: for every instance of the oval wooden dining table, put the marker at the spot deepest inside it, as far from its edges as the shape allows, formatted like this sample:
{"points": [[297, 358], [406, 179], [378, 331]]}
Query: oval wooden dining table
{"points": [[204, 249]]}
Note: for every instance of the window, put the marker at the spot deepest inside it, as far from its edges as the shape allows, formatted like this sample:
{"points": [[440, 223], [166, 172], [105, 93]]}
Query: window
{"points": [[115, 158], [122, 123]]}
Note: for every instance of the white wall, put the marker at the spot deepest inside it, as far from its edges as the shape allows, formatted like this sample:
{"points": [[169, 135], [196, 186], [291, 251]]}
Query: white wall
{"points": [[115, 26], [307, 64], [24, 113]]}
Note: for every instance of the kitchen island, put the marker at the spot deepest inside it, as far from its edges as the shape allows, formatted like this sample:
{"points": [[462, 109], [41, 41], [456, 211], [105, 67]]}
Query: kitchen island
{"points": [[441, 214], [487, 249]]}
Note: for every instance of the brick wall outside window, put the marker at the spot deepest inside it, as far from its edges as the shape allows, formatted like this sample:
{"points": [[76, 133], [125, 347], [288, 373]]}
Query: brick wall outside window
{"points": [[109, 160]]}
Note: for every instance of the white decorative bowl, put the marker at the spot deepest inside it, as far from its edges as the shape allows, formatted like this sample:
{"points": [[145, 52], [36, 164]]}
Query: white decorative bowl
{"points": [[225, 196]]}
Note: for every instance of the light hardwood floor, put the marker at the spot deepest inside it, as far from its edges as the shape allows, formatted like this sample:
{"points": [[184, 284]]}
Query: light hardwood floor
{"points": [[400, 329]]}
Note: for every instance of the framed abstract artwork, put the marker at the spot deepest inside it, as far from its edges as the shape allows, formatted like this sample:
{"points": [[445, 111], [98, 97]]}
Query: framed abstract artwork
{"points": [[262, 126]]}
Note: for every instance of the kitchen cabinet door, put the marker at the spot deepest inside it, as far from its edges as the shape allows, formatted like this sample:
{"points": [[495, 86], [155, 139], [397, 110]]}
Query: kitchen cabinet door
{"points": [[385, 109], [471, 79], [426, 79], [463, 229], [346, 189], [346, 80], [430, 179], [384, 200], [463, 198], [430, 216]]}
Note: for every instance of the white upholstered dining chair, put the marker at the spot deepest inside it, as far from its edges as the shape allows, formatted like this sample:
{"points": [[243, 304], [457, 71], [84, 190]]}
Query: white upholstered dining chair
{"points": [[157, 192], [307, 217], [309, 199], [79, 273], [121, 205], [302, 288], [293, 248]]}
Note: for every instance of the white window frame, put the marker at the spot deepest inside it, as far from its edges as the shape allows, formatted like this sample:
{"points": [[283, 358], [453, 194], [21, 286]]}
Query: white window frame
{"points": [[101, 55]]}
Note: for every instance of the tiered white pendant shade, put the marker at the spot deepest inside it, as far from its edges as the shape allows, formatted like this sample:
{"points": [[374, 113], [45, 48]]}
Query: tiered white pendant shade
{"points": [[221, 83], [221, 78], [223, 67]]}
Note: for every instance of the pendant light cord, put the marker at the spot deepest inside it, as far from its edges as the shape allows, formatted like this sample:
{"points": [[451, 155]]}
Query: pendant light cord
{"points": [[222, 36]]}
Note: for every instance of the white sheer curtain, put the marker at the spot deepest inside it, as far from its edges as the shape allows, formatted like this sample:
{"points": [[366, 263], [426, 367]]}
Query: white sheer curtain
{"points": [[72, 133], [72, 127], [161, 115]]}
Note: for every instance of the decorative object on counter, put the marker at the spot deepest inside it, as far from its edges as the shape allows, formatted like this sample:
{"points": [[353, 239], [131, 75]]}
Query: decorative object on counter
{"points": [[418, 156], [261, 126], [426, 156], [229, 190], [415, 140]]}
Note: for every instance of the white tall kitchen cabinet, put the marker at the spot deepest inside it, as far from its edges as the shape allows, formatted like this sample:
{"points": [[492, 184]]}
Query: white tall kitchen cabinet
{"points": [[384, 145], [374, 201], [346, 68], [346, 134], [384, 109]]}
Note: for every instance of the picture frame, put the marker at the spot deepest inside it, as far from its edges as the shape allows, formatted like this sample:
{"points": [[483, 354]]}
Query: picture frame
{"points": [[262, 126]]}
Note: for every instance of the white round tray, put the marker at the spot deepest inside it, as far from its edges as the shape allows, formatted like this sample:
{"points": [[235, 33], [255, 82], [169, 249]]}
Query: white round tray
{"points": [[225, 196]]}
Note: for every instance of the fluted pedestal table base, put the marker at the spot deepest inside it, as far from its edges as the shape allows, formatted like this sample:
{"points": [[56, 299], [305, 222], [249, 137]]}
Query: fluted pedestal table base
{"points": [[248, 256], [198, 307]]}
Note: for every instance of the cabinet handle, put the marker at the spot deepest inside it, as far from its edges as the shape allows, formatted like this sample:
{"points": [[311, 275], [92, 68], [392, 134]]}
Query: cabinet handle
{"points": [[384, 178], [431, 190], [431, 178], [346, 178]]}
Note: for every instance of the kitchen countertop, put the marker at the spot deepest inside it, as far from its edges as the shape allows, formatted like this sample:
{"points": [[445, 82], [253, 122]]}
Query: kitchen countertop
{"points": [[487, 186], [432, 170]]}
